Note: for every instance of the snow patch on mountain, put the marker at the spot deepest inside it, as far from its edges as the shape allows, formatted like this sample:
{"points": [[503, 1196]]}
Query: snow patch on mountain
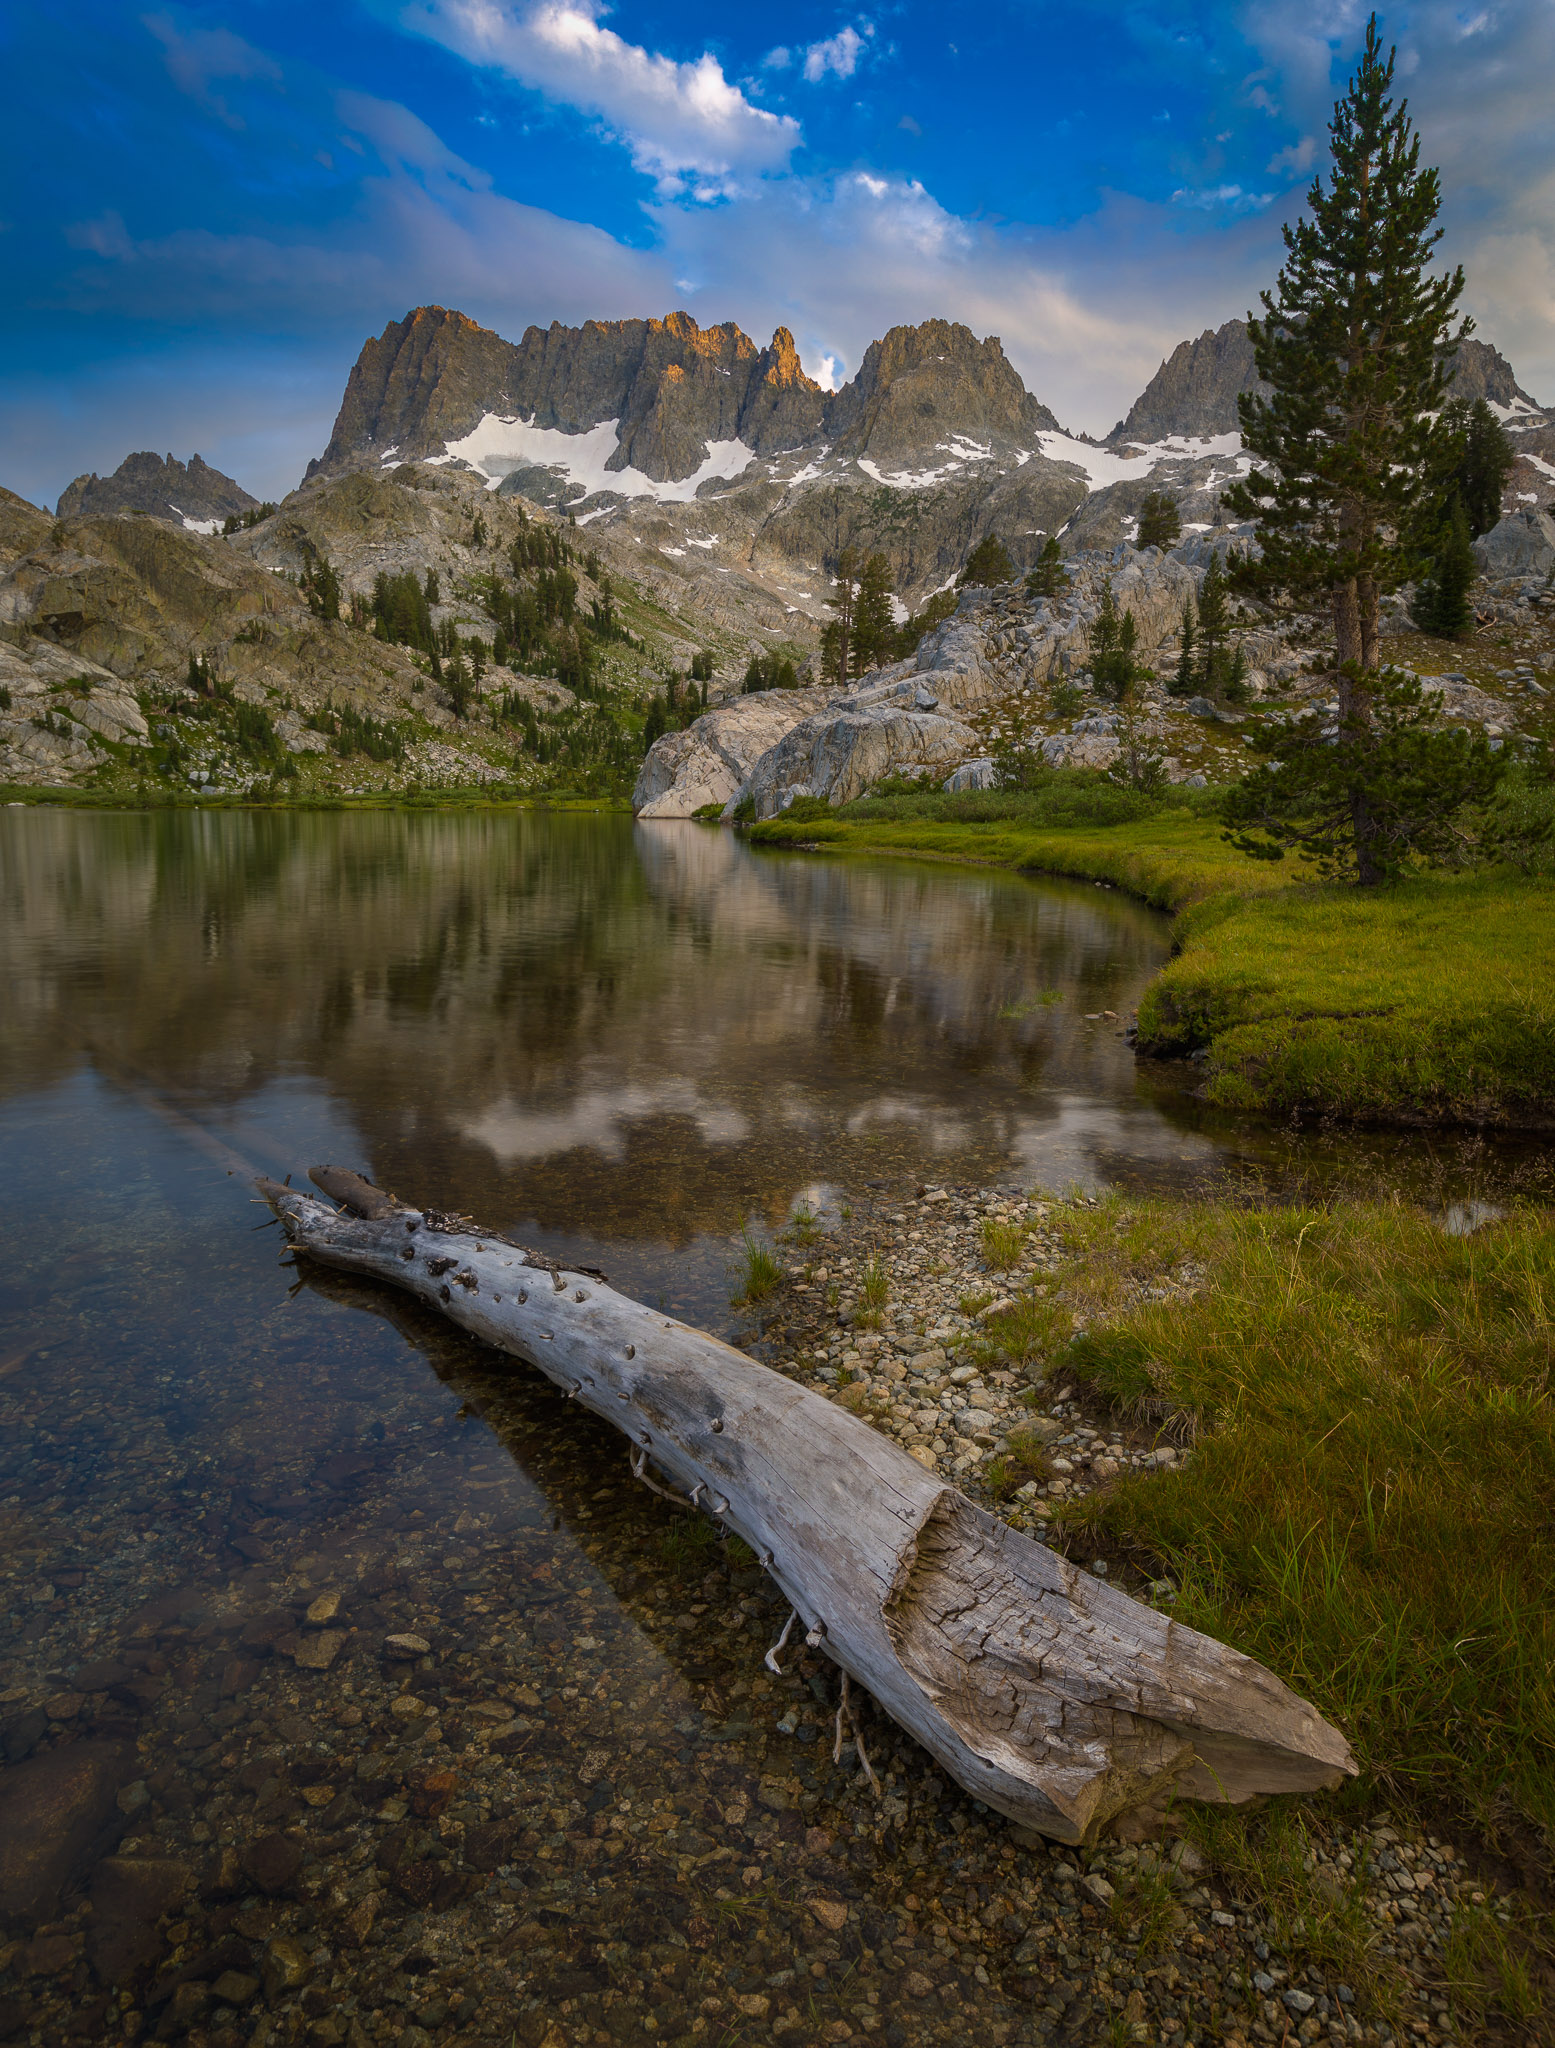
{"points": [[498, 446], [1103, 466]]}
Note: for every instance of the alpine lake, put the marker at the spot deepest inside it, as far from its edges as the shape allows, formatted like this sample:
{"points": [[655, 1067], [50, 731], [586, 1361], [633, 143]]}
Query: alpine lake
{"points": [[399, 1712]]}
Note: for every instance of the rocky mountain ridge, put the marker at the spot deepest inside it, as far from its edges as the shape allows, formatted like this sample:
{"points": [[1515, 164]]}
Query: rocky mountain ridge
{"points": [[1196, 388], [192, 494], [673, 391]]}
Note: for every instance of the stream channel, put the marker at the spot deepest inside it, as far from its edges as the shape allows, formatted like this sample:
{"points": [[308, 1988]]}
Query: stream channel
{"points": [[225, 1483]]}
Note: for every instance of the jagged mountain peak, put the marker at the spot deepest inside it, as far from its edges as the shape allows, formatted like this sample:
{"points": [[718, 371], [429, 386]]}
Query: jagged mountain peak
{"points": [[1481, 371], [920, 387], [675, 391], [1194, 393], [192, 494]]}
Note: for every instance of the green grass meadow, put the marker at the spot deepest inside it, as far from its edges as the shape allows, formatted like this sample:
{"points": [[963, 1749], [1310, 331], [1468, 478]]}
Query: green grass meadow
{"points": [[1368, 1508], [1431, 1001]]}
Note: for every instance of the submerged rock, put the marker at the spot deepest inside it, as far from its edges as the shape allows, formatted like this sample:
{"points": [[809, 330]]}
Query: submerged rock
{"points": [[58, 1814]]}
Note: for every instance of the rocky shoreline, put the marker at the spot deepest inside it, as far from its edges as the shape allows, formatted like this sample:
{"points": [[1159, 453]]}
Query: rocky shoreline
{"points": [[472, 1741]]}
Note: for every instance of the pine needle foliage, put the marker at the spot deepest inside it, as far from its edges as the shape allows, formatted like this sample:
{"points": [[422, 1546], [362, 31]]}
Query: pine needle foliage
{"points": [[1049, 578], [1352, 347], [1409, 782], [1114, 670], [1441, 603], [1479, 459], [988, 564], [1356, 348], [1160, 523]]}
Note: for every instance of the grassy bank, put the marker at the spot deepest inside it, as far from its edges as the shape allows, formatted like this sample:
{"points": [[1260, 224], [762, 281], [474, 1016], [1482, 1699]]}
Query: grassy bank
{"points": [[1425, 1002], [461, 797], [1433, 1000], [1367, 1509], [1169, 854]]}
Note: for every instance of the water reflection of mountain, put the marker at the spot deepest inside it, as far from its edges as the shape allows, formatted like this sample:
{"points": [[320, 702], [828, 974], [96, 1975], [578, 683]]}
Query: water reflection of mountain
{"points": [[611, 1028]]}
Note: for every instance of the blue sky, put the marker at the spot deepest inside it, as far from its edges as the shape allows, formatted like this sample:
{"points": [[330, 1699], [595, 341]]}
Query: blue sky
{"points": [[206, 208]]}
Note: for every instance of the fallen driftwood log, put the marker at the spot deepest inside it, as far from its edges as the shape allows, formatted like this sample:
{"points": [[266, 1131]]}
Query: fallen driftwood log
{"points": [[1046, 1693]]}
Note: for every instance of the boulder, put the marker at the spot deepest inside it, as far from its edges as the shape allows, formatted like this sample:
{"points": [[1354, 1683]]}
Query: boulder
{"points": [[271, 1862], [978, 774], [1521, 544], [840, 754], [707, 762], [58, 1815], [1079, 750]]}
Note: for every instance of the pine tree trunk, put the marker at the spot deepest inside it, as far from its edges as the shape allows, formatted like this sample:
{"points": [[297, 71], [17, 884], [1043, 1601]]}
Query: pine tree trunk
{"points": [[1355, 625], [1347, 626]]}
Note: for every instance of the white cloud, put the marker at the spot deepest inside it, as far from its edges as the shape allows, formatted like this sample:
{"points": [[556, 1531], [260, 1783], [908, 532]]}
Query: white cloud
{"points": [[685, 124], [1296, 161], [1231, 198], [194, 57], [1085, 311], [839, 53]]}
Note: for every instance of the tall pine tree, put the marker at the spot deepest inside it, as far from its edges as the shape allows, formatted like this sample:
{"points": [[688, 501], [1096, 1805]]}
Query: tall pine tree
{"points": [[989, 563], [1352, 346], [1114, 670], [837, 637], [874, 628], [1185, 680], [1049, 578], [1356, 348], [1441, 603], [1215, 661], [1160, 523]]}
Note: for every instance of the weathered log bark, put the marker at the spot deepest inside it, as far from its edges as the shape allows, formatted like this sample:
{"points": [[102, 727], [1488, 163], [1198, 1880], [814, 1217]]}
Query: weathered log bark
{"points": [[1048, 1694]]}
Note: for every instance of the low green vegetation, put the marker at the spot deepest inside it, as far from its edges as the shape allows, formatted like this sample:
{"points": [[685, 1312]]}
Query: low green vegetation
{"points": [[1166, 849], [1367, 1506], [1422, 1002], [1427, 1001], [760, 1271], [1003, 1242]]}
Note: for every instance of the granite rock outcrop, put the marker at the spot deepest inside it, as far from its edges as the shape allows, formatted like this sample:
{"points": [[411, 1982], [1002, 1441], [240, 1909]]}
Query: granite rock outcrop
{"points": [[1522, 543], [705, 764], [909, 718]]}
